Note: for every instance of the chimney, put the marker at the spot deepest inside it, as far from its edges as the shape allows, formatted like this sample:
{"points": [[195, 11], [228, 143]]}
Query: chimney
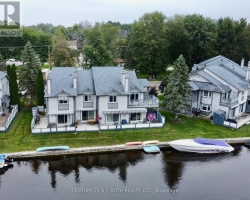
{"points": [[126, 77], [248, 72], [242, 62], [74, 80], [248, 63], [49, 83], [122, 76]]}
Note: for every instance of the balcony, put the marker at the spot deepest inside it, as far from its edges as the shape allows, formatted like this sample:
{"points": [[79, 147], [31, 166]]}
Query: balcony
{"points": [[63, 106], [149, 101], [112, 105], [88, 104], [229, 101]]}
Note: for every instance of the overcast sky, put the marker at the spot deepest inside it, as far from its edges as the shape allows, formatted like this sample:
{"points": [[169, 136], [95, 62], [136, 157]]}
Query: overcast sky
{"points": [[69, 12]]}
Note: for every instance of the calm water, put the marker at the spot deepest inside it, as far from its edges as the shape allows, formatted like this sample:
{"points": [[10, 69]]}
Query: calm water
{"points": [[132, 175]]}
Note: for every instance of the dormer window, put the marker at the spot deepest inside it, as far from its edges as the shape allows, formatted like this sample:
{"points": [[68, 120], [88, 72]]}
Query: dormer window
{"points": [[112, 99], [207, 94], [63, 100], [87, 98]]}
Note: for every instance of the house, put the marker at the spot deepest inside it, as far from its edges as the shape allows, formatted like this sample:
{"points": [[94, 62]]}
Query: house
{"points": [[4, 92], [220, 84], [103, 95]]}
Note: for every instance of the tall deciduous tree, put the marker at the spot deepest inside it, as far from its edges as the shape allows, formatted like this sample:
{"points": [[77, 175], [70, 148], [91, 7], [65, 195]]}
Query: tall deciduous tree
{"points": [[178, 89], [147, 45], [95, 53], [62, 55], [201, 38], [27, 73], [39, 89]]}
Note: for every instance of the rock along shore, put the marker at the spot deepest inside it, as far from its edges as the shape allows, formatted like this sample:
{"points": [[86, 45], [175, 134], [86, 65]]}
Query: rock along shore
{"points": [[100, 149]]}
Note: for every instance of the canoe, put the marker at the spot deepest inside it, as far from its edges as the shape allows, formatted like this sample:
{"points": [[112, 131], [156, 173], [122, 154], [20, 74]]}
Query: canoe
{"points": [[151, 149], [150, 142], [133, 143], [54, 148]]}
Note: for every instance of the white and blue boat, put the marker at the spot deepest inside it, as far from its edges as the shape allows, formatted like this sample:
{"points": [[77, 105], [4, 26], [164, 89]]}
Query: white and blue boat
{"points": [[151, 149], [53, 148], [4, 161], [201, 145]]}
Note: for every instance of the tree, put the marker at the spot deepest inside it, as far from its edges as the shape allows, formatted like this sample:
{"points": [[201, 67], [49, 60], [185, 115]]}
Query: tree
{"points": [[201, 38], [39, 89], [95, 52], [62, 55], [147, 45], [14, 95], [27, 73], [2, 63], [178, 89]]}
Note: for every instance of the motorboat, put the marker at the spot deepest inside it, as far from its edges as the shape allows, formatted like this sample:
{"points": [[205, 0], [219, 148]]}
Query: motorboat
{"points": [[201, 145], [151, 149], [149, 142], [4, 161], [53, 148], [133, 143]]}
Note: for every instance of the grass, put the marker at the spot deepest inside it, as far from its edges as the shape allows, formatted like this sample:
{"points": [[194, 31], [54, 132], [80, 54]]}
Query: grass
{"points": [[18, 138]]}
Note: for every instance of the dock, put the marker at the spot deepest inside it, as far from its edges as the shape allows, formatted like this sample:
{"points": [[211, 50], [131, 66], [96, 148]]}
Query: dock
{"points": [[100, 149]]}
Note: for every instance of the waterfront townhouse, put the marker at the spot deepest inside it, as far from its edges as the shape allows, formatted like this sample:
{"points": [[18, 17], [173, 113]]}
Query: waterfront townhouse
{"points": [[219, 84], [102, 95], [4, 92]]}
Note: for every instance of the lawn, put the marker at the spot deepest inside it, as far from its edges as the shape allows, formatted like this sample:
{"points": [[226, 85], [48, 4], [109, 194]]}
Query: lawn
{"points": [[18, 138]]}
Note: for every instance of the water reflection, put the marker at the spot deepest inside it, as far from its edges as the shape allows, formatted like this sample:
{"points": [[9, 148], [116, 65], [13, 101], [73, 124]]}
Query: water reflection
{"points": [[172, 163]]}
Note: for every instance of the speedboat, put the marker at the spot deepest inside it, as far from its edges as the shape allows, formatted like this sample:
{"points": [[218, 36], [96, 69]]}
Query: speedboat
{"points": [[4, 161], [151, 149], [201, 145]]}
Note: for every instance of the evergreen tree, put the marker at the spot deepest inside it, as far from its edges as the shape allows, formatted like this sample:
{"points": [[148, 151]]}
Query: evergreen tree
{"points": [[39, 89], [178, 89], [27, 74]]}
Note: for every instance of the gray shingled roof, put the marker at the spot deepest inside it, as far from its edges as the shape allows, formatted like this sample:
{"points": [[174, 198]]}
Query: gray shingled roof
{"points": [[228, 76], [62, 80], [197, 85], [2, 74], [85, 81], [108, 79], [144, 82]]}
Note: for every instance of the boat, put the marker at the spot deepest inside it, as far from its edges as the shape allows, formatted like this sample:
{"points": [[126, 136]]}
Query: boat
{"points": [[151, 149], [54, 148], [133, 143], [150, 142], [247, 143], [4, 161], [201, 145]]}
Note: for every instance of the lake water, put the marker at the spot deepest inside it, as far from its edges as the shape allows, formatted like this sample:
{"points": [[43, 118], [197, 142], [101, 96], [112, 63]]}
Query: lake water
{"points": [[131, 175]]}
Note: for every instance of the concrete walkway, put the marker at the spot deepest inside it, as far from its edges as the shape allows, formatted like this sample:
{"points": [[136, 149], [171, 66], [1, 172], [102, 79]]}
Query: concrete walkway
{"points": [[101, 149]]}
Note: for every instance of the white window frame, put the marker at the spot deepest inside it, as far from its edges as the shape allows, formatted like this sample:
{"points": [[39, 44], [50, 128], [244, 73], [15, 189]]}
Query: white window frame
{"points": [[107, 118], [209, 94], [63, 100], [137, 116], [88, 115], [136, 97], [89, 98], [112, 99], [208, 107]]}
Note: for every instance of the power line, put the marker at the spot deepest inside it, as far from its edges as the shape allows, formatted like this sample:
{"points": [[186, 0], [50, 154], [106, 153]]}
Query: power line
{"points": [[24, 47]]}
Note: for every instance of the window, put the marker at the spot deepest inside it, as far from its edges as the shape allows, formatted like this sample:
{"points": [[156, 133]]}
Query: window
{"points": [[112, 99], [242, 93], [87, 97], [233, 112], [242, 107], [113, 117], [63, 100], [207, 94], [135, 116], [62, 119], [134, 97], [87, 115], [206, 107]]}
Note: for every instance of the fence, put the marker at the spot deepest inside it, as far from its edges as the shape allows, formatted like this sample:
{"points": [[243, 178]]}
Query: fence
{"points": [[130, 126], [10, 118]]}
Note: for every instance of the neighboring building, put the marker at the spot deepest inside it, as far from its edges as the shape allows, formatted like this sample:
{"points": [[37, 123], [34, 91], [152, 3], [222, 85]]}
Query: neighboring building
{"points": [[107, 95], [220, 84], [4, 92]]}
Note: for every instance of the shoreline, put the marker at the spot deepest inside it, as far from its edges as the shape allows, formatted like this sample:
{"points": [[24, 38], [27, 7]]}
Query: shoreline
{"points": [[100, 149]]}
